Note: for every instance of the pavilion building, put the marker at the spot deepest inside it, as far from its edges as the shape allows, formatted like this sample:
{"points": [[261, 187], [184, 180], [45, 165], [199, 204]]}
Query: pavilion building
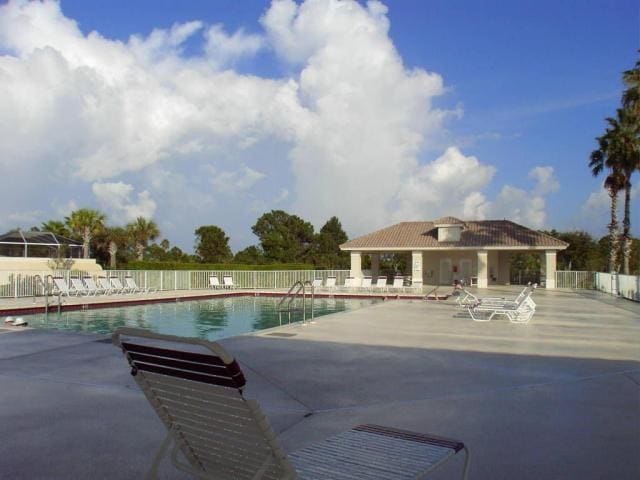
{"points": [[449, 249]]}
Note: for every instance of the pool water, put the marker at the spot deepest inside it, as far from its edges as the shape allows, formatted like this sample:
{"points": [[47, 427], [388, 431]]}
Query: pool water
{"points": [[206, 319]]}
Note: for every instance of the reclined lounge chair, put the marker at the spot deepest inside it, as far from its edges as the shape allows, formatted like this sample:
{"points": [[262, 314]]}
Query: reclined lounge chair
{"points": [[134, 288], [214, 282], [221, 435], [227, 281], [520, 311]]}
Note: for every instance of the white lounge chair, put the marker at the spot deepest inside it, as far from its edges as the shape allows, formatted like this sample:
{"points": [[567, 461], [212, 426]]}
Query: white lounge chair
{"points": [[330, 283], [91, 286], [134, 288], [118, 287], [105, 285], [348, 283], [517, 312], [214, 282], [199, 397], [78, 287], [398, 283], [381, 283], [227, 281], [366, 283], [316, 283], [61, 287]]}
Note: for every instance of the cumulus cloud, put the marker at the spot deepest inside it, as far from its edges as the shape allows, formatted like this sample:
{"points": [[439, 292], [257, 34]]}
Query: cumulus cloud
{"points": [[345, 132], [115, 198]]}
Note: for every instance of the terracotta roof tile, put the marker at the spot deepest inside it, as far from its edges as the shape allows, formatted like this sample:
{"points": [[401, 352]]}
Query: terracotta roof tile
{"points": [[484, 233]]}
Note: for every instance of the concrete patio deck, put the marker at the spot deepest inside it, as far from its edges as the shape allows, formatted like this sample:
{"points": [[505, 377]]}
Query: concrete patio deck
{"points": [[558, 398]]}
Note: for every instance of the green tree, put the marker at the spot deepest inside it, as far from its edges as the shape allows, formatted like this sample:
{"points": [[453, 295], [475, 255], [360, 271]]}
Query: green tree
{"points": [[141, 232], [249, 256], [85, 223], [326, 246], [631, 96], [55, 226], [212, 244], [283, 237], [619, 151]]}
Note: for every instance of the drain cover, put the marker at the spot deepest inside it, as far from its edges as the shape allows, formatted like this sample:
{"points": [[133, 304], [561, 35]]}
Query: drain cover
{"points": [[277, 334]]}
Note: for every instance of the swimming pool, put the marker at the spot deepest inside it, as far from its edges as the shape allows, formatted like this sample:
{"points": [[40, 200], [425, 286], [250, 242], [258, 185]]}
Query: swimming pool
{"points": [[209, 319]]}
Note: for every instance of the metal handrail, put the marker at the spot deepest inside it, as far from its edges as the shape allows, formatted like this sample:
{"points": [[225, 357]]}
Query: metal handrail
{"points": [[292, 294]]}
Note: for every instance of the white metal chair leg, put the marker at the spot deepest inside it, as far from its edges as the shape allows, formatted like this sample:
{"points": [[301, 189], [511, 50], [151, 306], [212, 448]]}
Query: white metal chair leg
{"points": [[152, 474]]}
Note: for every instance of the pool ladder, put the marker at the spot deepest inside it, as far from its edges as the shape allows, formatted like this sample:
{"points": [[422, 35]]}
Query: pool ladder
{"points": [[286, 304], [45, 289]]}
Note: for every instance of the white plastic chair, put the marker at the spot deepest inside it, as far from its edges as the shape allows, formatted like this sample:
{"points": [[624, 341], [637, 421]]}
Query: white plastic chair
{"points": [[214, 282], [227, 281]]}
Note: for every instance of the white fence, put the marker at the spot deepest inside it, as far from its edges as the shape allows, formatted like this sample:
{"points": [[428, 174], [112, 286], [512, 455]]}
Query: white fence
{"points": [[15, 284], [627, 286]]}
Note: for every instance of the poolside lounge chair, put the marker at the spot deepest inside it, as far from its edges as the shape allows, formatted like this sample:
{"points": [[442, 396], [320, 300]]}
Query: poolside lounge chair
{"points": [[398, 283], [316, 283], [366, 283], [91, 286], [118, 287], [61, 287], [79, 287], [227, 281], [520, 311], [330, 283], [214, 282], [134, 288], [381, 283], [199, 398], [105, 285]]}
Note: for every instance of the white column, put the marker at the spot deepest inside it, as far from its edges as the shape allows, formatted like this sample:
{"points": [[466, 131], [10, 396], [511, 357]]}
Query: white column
{"points": [[356, 264], [416, 268], [550, 269], [483, 269], [375, 264]]}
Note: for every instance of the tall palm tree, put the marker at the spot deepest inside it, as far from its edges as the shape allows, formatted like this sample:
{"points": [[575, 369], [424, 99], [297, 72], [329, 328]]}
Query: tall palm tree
{"points": [[619, 151], [55, 226], [141, 231], [116, 237], [631, 96], [85, 223], [613, 183]]}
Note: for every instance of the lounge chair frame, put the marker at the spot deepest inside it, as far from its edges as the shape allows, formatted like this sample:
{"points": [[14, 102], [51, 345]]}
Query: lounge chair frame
{"points": [[199, 398]]}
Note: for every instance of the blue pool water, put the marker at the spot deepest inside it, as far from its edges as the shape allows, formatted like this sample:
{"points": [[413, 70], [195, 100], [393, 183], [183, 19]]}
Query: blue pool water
{"points": [[206, 319]]}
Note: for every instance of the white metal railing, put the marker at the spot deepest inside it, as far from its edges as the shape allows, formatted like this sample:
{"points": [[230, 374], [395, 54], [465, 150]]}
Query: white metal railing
{"points": [[627, 286], [25, 284], [577, 280]]}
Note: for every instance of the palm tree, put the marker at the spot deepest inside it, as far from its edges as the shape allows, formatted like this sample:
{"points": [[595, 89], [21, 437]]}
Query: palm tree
{"points": [[631, 96], [613, 183], [56, 227], [619, 151], [141, 231], [117, 237], [85, 223]]}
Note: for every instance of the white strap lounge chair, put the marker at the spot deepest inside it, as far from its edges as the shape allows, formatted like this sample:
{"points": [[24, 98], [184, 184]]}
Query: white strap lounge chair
{"points": [[398, 283], [517, 312], [61, 287], [105, 284], [118, 287], [134, 288], [78, 287], [214, 282], [381, 284], [316, 283], [366, 283], [227, 281], [348, 283], [330, 283], [91, 286], [198, 395]]}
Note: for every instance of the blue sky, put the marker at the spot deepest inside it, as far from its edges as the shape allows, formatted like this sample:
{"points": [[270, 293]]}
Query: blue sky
{"points": [[476, 109]]}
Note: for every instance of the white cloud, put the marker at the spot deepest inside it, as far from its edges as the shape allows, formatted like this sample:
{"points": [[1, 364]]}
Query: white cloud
{"points": [[115, 198], [237, 181], [545, 180], [351, 122], [224, 50]]}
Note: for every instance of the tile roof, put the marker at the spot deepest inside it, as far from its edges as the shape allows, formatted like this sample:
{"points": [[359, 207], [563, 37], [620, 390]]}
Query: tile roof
{"points": [[484, 233], [448, 221]]}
